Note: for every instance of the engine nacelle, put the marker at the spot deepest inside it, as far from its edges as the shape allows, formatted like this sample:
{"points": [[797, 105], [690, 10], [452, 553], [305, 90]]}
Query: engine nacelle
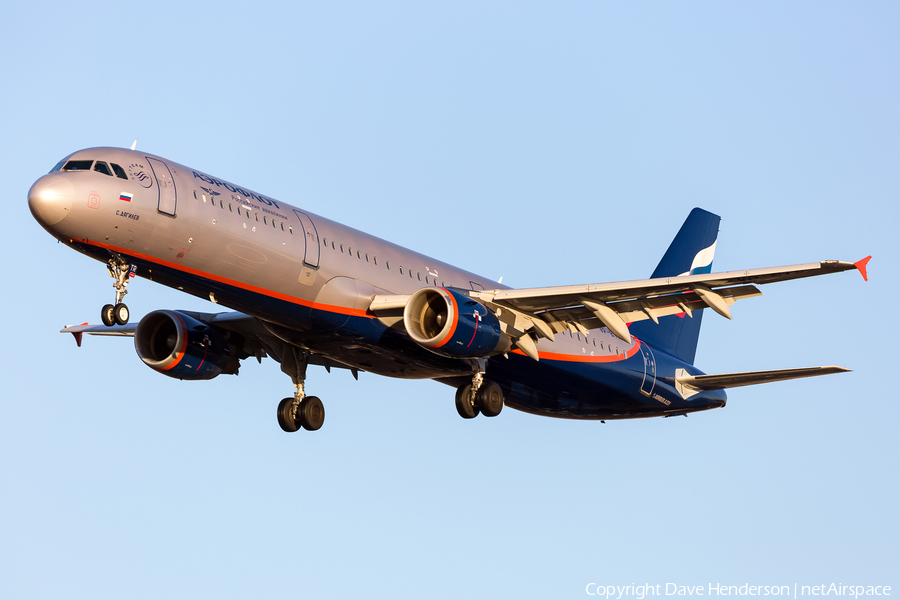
{"points": [[179, 346], [452, 324]]}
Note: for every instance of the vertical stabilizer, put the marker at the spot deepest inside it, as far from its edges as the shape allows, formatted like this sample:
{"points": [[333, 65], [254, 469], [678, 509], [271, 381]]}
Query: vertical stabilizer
{"points": [[690, 253]]}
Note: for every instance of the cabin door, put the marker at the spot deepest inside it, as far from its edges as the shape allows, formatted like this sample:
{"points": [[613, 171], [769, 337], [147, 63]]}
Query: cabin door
{"points": [[166, 186], [310, 238], [649, 369]]}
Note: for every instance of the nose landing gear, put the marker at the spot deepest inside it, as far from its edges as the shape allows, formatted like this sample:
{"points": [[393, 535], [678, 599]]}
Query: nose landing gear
{"points": [[120, 270]]}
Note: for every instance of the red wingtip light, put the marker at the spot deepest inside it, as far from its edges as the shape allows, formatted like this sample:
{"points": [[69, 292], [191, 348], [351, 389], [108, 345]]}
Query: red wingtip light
{"points": [[861, 265], [78, 335]]}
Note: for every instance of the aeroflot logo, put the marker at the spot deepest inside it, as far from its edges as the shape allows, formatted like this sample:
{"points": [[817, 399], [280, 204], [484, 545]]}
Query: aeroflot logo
{"points": [[235, 190]]}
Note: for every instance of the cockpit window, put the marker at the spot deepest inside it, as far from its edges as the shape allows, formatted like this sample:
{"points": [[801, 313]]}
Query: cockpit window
{"points": [[119, 171], [102, 167], [78, 165], [58, 166]]}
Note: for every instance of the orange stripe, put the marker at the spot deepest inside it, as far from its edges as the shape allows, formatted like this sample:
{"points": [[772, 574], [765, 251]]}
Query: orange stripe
{"points": [[455, 321], [354, 312], [180, 354]]}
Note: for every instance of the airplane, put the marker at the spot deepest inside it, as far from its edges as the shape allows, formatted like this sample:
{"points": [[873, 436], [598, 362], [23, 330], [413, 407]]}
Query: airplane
{"points": [[306, 290]]}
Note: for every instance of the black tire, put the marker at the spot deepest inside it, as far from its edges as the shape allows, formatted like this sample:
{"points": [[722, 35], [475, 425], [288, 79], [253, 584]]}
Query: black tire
{"points": [[490, 399], [463, 404], [285, 420], [121, 314], [311, 413], [107, 315]]}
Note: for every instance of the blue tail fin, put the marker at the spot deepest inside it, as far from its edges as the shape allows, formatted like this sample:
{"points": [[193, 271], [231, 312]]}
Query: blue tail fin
{"points": [[690, 253]]}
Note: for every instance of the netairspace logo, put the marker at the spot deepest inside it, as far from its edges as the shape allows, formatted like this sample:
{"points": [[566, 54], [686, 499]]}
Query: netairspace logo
{"points": [[640, 592]]}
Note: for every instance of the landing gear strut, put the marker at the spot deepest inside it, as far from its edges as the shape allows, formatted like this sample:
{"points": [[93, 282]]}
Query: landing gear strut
{"points": [[481, 396], [301, 411], [119, 269]]}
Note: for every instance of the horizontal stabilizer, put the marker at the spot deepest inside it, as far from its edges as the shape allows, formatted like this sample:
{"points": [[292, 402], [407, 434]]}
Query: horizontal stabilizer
{"points": [[730, 380]]}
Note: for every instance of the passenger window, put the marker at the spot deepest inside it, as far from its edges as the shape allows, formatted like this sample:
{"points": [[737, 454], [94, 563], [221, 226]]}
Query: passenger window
{"points": [[273, 223], [265, 222], [325, 242], [419, 275], [203, 196], [401, 270], [282, 226], [290, 230], [257, 217], [342, 248], [102, 167], [388, 263], [367, 257], [195, 198], [410, 273], [78, 165], [230, 209], [358, 256], [375, 260], [119, 171]]}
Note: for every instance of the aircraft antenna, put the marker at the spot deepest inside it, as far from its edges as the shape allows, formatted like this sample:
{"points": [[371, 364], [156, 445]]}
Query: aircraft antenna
{"points": [[134, 145]]}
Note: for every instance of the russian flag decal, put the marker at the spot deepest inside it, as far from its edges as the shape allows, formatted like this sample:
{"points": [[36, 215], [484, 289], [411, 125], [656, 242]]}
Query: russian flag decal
{"points": [[126, 196]]}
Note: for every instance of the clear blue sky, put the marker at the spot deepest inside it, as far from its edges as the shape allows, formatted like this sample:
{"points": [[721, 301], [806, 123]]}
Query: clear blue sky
{"points": [[545, 144]]}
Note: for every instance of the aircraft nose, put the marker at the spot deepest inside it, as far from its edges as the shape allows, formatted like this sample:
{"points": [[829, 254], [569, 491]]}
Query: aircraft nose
{"points": [[50, 199]]}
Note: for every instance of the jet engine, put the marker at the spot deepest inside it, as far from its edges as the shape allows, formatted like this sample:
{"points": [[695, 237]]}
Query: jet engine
{"points": [[452, 324], [174, 344]]}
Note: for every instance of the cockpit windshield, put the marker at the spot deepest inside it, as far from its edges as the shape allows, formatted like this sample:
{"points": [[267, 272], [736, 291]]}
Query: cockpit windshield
{"points": [[85, 165], [78, 165]]}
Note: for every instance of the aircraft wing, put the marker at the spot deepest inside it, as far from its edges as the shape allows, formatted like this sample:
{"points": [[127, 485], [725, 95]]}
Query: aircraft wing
{"points": [[581, 307], [254, 337], [227, 321]]}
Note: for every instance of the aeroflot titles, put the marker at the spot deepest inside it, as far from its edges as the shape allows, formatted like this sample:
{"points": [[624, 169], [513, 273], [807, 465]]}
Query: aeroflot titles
{"points": [[235, 190]]}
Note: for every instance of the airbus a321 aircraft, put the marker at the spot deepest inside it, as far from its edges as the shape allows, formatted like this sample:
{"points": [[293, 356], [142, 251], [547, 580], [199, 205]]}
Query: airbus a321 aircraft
{"points": [[306, 290]]}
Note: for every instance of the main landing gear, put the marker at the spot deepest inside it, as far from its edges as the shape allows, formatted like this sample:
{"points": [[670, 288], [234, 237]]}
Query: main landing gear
{"points": [[301, 411], [481, 396], [117, 314]]}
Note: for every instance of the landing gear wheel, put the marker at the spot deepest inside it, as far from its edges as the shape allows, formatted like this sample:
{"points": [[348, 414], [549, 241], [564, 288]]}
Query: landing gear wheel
{"points": [[464, 405], [311, 413], [107, 315], [286, 417], [489, 399], [120, 314]]}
